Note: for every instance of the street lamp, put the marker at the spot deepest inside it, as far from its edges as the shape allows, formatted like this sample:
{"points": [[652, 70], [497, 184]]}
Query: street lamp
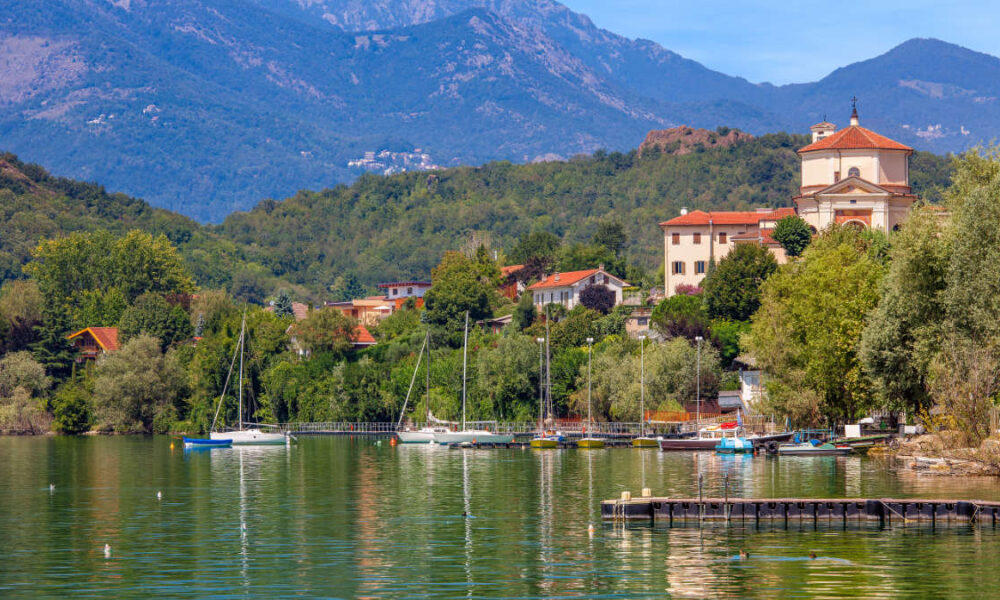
{"points": [[697, 400], [590, 346], [642, 386]]}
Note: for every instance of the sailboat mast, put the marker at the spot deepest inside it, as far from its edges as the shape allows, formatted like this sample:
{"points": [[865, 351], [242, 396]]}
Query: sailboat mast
{"points": [[427, 343], [548, 367], [465, 360], [239, 406]]}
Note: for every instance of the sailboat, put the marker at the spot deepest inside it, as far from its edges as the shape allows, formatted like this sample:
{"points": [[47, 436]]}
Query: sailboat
{"points": [[424, 435], [643, 441], [545, 439], [589, 441], [241, 436], [465, 434]]}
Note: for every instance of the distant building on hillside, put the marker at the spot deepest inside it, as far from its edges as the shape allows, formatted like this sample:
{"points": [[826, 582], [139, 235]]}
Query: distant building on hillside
{"points": [[852, 177], [299, 310], [565, 288], [405, 289], [511, 287], [92, 342]]}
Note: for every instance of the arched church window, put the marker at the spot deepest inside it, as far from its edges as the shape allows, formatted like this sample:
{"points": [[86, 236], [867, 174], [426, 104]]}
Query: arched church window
{"points": [[854, 172]]}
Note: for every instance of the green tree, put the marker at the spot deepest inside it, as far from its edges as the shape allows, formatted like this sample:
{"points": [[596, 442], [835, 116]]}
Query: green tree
{"points": [[681, 315], [611, 235], [21, 306], [732, 291], [151, 315], [326, 330], [51, 347], [137, 387], [457, 288], [525, 312], [507, 378], [71, 409], [808, 329], [902, 335], [537, 245], [283, 304], [793, 233]]}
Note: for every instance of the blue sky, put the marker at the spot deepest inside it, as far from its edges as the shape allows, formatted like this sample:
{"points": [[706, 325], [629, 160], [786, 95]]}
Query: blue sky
{"points": [[794, 41]]}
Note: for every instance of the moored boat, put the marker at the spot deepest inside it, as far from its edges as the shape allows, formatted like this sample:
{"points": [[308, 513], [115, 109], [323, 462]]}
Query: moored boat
{"points": [[645, 442], [478, 436], [707, 439], [813, 448], [253, 436], [544, 443], [734, 445], [424, 435], [203, 444]]}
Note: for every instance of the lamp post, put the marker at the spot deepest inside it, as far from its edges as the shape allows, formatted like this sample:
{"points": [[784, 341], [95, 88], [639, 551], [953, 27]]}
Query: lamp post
{"points": [[541, 381], [642, 386], [698, 378], [590, 346]]}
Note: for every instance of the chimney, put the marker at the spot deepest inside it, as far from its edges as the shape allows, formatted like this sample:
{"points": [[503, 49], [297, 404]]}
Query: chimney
{"points": [[684, 210], [557, 277], [600, 267]]}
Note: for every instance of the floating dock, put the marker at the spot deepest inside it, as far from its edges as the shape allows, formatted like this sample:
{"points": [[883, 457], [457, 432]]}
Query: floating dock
{"points": [[888, 511]]}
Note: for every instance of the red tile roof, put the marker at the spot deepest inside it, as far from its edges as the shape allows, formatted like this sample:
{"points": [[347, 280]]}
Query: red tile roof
{"points": [[510, 270], [400, 283], [855, 137], [763, 235], [362, 337], [106, 337], [700, 217], [569, 278]]}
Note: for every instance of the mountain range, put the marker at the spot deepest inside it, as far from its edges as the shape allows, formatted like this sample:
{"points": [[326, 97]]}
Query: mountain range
{"points": [[206, 107]]}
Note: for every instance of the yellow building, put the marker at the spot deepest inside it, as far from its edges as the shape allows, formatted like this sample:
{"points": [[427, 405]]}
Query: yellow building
{"points": [[853, 176]]}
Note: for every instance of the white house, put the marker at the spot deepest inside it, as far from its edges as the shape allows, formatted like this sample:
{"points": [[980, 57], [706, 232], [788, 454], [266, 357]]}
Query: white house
{"points": [[565, 288], [405, 289]]}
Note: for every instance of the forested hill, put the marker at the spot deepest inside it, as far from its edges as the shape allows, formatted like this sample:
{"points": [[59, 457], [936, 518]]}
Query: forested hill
{"points": [[35, 205], [399, 226]]}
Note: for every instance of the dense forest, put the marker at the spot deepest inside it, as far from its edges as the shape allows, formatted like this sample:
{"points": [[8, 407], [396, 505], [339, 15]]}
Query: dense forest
{"points": [[383, 228]]}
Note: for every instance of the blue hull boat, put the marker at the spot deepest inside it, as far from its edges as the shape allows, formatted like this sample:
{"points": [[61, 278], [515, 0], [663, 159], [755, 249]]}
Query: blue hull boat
{"points": [[201, 443], [734, 445]]}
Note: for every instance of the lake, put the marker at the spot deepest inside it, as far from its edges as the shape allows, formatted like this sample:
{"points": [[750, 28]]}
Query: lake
{"points": [[357, 518]]}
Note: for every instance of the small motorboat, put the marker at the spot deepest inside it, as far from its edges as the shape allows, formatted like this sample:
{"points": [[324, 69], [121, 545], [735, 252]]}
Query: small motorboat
{"points": [[707, 439], [590, 442], [814, 448], [734, 445], [203, 444]]}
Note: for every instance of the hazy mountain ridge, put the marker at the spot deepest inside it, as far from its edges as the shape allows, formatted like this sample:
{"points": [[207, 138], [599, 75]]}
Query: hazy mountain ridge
{"points": [[208, 106]]}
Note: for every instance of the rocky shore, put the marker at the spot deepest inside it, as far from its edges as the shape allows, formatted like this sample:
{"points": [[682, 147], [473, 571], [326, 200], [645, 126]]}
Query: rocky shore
{"points": [[935, 454]]}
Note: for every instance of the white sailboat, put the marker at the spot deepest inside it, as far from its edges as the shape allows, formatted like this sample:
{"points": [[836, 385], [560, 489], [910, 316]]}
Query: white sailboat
{"points": [[465, 434], [424, 435], [240, 436]]}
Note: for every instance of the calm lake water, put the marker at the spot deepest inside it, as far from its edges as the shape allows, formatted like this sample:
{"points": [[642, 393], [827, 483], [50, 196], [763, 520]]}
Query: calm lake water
{"points": [[351, 518]]}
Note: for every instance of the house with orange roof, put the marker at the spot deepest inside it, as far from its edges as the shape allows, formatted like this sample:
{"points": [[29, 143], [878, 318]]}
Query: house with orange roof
{"points": [[853, 177], [92, 342], [565, 288], [511, 287]]}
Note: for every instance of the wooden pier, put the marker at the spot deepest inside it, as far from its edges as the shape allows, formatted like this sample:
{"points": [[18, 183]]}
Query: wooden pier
{"points": [[887, 511]]}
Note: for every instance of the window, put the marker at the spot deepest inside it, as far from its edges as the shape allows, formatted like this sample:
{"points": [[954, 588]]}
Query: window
{"points": [[836, 176], [854, 201], [697, 238], [642, 321], [409, 291], [722, 237], [605, 278], [593, 279], [675, 239], [699, 267], [395, 291], [854, 172], [678, 268]]}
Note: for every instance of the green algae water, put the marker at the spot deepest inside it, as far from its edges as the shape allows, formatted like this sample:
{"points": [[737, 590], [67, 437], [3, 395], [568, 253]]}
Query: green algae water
{"points": [[353, 518]]}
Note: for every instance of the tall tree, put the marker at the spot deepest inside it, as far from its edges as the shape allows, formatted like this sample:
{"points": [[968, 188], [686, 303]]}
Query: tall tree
{"points": [[732, 290], [793, 233], [457, 288], [807, 332], [326, 330], [598, 297], [901, 336], [151, 315], [283, 304]]}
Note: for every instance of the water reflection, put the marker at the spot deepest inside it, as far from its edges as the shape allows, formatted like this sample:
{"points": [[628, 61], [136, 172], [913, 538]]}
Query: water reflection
{"points": [[349, 518]]}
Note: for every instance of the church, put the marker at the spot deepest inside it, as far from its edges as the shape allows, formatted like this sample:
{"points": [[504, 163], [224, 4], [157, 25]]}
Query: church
{"points": [[853, 177]]}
